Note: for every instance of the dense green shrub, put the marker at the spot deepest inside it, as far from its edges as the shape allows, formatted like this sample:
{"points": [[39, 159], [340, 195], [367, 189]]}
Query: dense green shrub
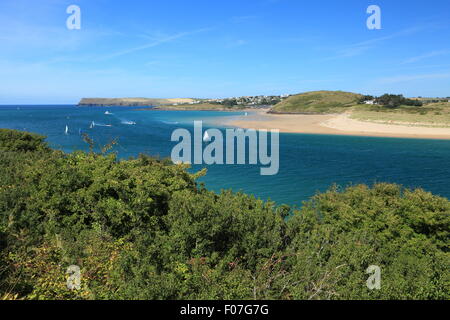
{"points": [[143, 229]]}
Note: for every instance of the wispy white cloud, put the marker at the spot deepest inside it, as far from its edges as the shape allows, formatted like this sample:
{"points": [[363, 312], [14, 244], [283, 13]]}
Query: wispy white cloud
{"points": [[431, 54], [236, 43], [151, 63], [240, 19], [50, 43], [20, 35], [297, 39], [359, 48], [153, 43], [414, 77]]}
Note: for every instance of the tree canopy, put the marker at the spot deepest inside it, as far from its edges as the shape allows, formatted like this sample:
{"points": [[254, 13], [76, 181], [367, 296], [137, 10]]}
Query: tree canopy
{"points": [[392, 100]]}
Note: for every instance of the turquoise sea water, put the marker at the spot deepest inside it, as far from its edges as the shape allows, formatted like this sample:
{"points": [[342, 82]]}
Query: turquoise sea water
{"points": [[308, 163]]}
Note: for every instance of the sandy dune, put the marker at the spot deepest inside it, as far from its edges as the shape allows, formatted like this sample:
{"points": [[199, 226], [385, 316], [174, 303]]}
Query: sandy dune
{"points": [[339, 124], [180, 100]]}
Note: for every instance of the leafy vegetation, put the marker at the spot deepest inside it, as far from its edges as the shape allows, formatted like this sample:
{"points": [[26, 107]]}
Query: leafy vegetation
{"points": [[143, 229], [392, 100], [317, 102], [429, 115]]}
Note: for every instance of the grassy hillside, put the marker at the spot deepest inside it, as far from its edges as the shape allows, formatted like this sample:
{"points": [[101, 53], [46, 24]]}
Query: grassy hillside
{"points": [[126, 102], [201, 107], [429, 115], [317, 102]]}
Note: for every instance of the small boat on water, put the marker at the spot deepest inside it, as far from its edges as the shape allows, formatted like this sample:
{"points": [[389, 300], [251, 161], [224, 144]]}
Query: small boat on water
{"points": [[93, 124], [108, 113], [67, 130], [246, 114], [206, 137]]}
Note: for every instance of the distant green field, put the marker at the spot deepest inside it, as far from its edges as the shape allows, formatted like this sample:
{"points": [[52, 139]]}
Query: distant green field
{"points": [[322, 102], [318, 102], [430, 115], [200, 106]]}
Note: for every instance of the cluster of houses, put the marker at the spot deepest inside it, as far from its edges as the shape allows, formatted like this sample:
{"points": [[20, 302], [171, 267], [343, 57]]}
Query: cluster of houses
{"points": [[251, 100], [244, 100]]}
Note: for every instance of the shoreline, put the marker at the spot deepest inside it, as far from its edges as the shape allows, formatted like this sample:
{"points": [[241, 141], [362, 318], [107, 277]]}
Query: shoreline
{"points": [[336, 124], [174, 108]]}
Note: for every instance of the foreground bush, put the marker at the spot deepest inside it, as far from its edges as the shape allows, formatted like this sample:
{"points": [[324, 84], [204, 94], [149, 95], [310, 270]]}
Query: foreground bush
{"points": [[143, 229]]}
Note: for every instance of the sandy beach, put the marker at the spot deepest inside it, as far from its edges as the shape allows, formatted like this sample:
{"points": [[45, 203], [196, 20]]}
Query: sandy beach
{"points": [[338, 124]]}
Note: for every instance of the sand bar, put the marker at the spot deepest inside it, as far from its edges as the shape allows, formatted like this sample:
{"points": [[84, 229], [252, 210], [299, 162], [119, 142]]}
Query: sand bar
{"points": [[338, 124]]}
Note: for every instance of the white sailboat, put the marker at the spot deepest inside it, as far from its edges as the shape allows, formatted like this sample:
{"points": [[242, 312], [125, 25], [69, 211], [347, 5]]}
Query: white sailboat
{"points": [[92, 125], [206, 137], [67, 130], [246, 114], [107, 112]]}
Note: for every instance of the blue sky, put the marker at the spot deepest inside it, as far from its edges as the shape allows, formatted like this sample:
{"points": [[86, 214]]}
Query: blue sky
{"points": [[212, 48]]}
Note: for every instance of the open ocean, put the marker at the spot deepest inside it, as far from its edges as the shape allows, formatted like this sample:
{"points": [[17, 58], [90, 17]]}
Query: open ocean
{"points": [[308, 163]]}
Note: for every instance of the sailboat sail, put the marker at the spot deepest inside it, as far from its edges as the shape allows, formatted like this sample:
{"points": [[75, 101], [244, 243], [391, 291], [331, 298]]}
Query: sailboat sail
{"points": [[92, 125], [67, 130]]}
